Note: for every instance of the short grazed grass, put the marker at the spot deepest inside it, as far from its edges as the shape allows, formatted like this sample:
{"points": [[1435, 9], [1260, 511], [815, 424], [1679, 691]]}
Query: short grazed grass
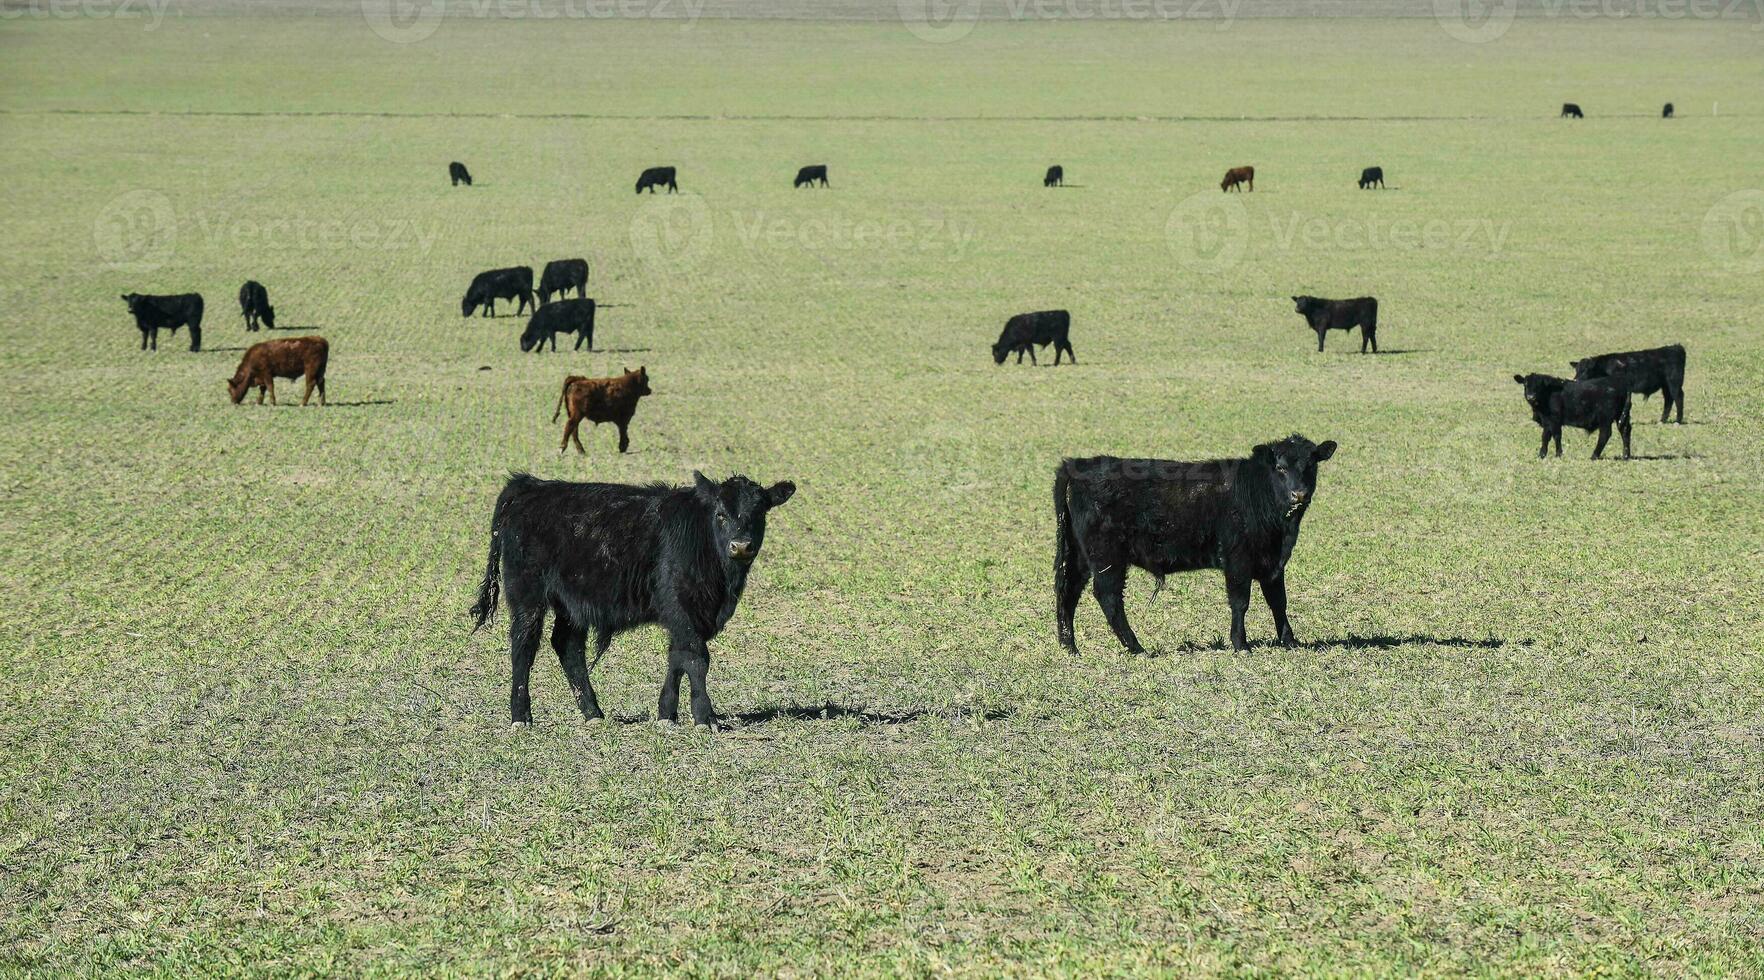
{"points": [[244, 727]]}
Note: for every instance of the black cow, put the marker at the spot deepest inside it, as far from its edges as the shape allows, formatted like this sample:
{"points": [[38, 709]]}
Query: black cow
{"points": [[564, 316], [657, 177], [514, 283], [1023, 332], [1324, 315], [1588, 405], [1571, 111], [1056, 176], [808, 175], [1666, 113], [1370, 176], [458, 173], [1240, 516], [607, 558], [254, 305], [1643, 372], [156, 313], [561, 276]]}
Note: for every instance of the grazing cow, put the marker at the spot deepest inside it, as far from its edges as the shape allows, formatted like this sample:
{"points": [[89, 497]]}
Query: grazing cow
{"points": [[1370, 176], [1056, 177], [1025, 331], [1325, 315], [1571, 111], [1238, 176], [1666, 113], [808, 175], [458, 173], [657, 177], [1643, 372], [1588, 405], [272, 359], [514, 283], [155, 313], [1240, 516], [254, 305], [608, 558], [564, 316], [600, 400], [561, 276]]}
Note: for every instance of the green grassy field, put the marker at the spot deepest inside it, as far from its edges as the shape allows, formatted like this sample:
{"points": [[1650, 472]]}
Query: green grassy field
{"points": [[244, 726]]}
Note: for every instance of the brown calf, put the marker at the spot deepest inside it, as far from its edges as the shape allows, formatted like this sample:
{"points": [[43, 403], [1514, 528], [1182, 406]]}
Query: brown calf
{"points": [[272, 359], [1238, 175], [601, 400]]}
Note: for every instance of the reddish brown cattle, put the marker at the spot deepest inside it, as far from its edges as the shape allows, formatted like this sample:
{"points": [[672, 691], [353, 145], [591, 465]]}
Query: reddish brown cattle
{"points": [[272, 359], [601, 400], [1238, 175]]}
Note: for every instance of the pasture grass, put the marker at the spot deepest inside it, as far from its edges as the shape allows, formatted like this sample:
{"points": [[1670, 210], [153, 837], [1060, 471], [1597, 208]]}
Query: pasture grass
{"points": [[244, 727]]}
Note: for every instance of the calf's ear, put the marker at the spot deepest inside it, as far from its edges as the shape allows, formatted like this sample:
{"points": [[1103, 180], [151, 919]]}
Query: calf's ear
{"points": [[1325, 449], [1519, 378], [779, 492], [703, 484]]}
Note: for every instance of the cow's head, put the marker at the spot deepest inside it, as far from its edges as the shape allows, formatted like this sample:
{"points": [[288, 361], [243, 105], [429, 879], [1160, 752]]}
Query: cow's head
{"points": [[738, 509], [1538, 388], [1303, 304], [1291, 465], [639, 380], [468, 305], [133, 299], [269, 316], [238, 384], [1000, 351], [530, 338]]}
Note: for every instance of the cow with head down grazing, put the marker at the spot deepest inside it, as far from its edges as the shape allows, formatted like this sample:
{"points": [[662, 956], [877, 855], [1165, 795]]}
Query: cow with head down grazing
{"points": [[1237, 178]]}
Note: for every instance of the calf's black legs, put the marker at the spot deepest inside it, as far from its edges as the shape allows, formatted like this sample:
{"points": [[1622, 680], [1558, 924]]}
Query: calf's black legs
{"points": [[1109, 585], [689, 657], [1238, 591], [570, 641], [1604, 437], [523, 642], [1274, 591]]}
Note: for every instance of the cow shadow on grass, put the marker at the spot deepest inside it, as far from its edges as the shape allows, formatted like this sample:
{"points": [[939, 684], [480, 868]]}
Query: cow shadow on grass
{"points": [[623, 350], [831, 712], [1407, 350], [1354, 641], [1639, 458], [221, 350], [367, 403]]}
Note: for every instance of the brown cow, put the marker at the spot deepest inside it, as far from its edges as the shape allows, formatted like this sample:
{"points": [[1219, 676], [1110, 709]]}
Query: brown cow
{"points": [[601, 400], [1238, 175], [272, 359]]}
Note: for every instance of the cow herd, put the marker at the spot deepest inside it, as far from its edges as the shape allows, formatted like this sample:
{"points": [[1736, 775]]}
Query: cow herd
{"points": [[606, 558]]}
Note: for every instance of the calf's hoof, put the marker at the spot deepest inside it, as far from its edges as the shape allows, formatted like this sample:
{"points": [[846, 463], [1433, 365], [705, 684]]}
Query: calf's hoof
{"points": [[520, 724]]}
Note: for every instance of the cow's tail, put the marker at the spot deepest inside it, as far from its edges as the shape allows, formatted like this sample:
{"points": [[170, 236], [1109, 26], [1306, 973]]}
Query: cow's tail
{"points": [[1071, 570], [560, 400], [485, 608]]}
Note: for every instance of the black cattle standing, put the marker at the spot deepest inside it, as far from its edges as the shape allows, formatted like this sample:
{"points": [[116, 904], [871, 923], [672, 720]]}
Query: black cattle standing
{"points": [[1588, 405], [458, 173], [807, 176], [657, 177], [1240, 516], [564, 316], [1056, 176], [1643, 372], [561, 276], [254, 305], [1025, 331], [1324, 315], [155, 313], [514, 283], [608, 558], [1666, 113], [1370, 176], [1571, 111]]}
